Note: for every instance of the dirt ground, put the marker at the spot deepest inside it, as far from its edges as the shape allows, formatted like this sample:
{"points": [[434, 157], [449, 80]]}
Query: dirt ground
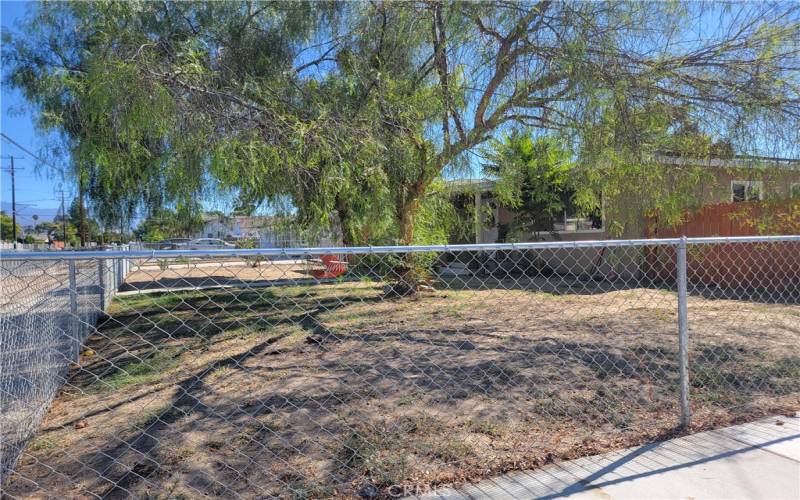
{"points": [[337, 391], [147, 276]]}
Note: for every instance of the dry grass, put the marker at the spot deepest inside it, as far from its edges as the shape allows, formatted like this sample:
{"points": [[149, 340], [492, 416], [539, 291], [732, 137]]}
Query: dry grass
{"points": [[334, 391], [173, 274]]}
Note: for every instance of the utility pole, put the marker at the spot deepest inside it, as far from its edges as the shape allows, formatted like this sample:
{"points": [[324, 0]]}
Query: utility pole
{"points": [[82, 212], [13, 201], [63, 217]]}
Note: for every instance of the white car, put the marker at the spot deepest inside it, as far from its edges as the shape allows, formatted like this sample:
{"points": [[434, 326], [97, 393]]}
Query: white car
{"points": [[209, 244]]}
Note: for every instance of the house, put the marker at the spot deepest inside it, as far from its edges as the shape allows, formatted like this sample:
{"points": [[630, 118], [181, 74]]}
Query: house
{"points": [[30, 230], [729, 188], [266, 231], [730, 183]]}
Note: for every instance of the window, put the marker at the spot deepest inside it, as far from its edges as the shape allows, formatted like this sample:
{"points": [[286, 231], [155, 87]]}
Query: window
{"points": [[794, 190], [572, 219], [747, 191]]}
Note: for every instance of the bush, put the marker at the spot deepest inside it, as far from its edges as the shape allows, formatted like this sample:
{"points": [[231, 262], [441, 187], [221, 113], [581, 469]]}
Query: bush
{"points": [[252, 260]]}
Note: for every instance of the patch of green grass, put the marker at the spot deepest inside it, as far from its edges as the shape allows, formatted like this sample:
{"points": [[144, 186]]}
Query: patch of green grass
{"points": [[496, 374], [622, 419], [149, 417], [487, 427], [714, 386], [777, 377], [452, 450], [41, 443], [732, 380], [410, 398], [221, 372], [147, 301], [139, 372], [388, 470], [356, 451], [375, 455]]}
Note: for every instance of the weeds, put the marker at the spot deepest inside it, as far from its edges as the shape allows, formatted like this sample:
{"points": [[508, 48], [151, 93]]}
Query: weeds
{"points": [[41, 443], [139, 372], [452, 450], [487, 427], [147, 418]]}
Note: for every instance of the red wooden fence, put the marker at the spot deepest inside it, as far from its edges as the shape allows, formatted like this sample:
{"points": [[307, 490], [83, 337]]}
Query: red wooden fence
{"points": [[763, 266]]}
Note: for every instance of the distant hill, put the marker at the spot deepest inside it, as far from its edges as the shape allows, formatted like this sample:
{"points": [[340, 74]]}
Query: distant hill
{"points": [[25, 214]]}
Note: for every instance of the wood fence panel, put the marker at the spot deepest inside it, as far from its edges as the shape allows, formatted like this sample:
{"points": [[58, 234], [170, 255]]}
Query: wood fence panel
{"points": [[762, 266]]}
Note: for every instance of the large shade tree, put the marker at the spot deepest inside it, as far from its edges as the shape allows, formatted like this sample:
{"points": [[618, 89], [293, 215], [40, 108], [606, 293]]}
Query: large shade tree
{"points": [[358, 108]]}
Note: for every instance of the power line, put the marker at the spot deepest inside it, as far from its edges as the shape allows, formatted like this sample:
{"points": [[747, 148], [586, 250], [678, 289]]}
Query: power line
{"points": [[36, 157]]}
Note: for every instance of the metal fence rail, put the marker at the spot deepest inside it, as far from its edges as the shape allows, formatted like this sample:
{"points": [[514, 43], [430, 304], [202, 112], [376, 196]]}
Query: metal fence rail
{"points": [[339, 372]]}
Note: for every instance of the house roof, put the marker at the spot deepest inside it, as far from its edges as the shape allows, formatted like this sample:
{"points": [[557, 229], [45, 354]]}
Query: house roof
{"points": [[464, 185], [237, 218], [736, 162], [742, 161], [245, 223]]}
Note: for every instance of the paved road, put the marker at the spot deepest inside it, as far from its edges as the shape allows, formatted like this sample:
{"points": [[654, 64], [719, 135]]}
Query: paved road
{"points": [[759, 460]]}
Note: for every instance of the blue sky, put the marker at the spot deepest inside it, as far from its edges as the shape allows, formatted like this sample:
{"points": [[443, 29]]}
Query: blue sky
{"points": [[36, 185]]}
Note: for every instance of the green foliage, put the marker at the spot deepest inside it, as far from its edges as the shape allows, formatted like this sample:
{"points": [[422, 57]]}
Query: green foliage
{"points": [[167, 223], [437, 218], [771, 216], [55, 231], [632, 155], [348, 113], [7, 228], [534, 176], [92, 228], [140, 371]]}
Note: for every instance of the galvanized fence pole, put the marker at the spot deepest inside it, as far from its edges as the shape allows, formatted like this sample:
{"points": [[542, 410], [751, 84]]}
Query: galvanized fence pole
{"points": [[73, 307], [119, 277], [101, 282], [683, 334]]}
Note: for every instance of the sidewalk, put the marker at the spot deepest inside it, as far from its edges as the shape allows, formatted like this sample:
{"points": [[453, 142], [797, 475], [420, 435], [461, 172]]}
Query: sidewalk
{"points": [[759, 460]]}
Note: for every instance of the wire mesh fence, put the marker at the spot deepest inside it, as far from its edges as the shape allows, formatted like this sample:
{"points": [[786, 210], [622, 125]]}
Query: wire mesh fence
{"points": [[340, 372], [48, 309]]}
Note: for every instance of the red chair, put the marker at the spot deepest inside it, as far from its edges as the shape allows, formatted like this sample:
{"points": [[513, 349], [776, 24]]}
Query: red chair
{"points": [[333, 267]]}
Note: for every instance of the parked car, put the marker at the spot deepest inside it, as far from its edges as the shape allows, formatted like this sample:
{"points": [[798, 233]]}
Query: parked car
{"points": [[173, 243], [209, 244]]}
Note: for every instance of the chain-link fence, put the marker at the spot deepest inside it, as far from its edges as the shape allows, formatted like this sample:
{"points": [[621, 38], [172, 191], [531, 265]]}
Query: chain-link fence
{"points": [[346, 372], [47, 310]]}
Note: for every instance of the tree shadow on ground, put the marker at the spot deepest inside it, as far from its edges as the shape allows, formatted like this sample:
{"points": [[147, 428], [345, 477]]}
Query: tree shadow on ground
{"points": [[197, 323], [424, 387]]}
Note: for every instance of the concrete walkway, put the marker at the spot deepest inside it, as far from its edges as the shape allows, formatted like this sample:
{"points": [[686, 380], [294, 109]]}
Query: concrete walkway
{"points": [[759, 460]]}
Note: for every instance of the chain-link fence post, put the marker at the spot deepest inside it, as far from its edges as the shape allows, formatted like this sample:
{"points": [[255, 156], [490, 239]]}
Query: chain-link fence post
{"points": [[118, 268], [74, 322], [101, 282], [683, 334]]}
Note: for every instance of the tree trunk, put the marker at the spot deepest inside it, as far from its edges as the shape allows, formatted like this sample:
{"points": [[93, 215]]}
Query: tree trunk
{"points": [[345, 217], [406, 274], [405, 219]]}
